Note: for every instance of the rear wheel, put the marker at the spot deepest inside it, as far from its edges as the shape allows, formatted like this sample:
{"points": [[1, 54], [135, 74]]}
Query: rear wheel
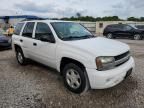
{"points": [[75, 79], [20, 57], [137, 37], [109, 36]]}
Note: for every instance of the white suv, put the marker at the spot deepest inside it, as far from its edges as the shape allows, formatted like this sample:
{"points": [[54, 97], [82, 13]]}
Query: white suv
{"points": [[84, 61]]}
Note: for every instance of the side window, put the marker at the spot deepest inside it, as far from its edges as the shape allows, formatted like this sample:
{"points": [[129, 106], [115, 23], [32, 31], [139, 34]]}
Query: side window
{"points": [[18, 28], [109, 27], [113, 26], [28, 30], [42, 29], [120, 27], [128, 28]]}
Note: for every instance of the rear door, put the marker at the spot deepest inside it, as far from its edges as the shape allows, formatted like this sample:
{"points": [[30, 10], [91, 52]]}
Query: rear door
{"points": [[16, 38], [116, 30], [27, 39], [119, 30], [113, 29]]}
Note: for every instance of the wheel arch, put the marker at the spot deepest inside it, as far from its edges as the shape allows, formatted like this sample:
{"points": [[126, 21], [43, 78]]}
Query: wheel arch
{"points": [[16, 47], [66, 60]]}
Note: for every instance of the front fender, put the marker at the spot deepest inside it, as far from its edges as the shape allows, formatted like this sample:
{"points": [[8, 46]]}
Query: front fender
{"points": [[83, 57]]}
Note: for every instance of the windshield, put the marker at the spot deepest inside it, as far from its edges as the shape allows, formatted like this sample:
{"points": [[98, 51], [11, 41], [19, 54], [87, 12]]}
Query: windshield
{"points": [[133, 26], [71, 31], [140, 26]]}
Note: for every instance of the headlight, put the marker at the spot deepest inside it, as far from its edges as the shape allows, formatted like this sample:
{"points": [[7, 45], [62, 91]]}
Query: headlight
{"points": [[105, 63]]}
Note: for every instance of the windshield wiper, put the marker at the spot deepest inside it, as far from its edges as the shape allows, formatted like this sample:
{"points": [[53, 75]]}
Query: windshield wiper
{"points": [[77, 37], [88, 36], [70, 37]]}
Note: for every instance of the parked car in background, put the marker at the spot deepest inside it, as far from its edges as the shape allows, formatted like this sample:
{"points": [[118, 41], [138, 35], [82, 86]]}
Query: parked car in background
{"points": [[123, 31], [84, 61], [5, 42], [4, 32]]}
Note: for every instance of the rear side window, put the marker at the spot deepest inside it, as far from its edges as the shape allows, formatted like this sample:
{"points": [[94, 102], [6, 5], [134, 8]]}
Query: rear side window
{"points": [[42, 29], [127, 27], [18, 28], [28, 30], [111, 26], [115, 26], [121, 26]]}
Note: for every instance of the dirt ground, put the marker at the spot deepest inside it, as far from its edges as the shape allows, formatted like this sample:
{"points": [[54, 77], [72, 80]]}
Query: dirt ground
{"points": [[37, 86]]}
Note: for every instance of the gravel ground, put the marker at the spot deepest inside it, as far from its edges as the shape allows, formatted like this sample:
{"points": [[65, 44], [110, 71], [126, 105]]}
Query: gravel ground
{"points": [[37, 86]]}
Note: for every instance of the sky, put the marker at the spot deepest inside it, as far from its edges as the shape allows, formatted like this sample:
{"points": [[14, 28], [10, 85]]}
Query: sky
{"points": [[68, 8]]}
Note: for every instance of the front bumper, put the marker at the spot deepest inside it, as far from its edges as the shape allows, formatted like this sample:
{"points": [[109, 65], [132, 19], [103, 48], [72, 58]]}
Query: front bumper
{"points": [[109, 78]]}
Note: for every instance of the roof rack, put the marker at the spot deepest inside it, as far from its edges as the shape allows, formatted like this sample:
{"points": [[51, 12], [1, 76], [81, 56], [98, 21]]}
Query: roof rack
{"points": [[30, 19]]}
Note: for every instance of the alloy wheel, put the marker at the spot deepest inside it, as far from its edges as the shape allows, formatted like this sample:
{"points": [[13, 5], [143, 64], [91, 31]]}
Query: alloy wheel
{"points": [[109, 36], [20, 57], [137, 37], [73, 78]]}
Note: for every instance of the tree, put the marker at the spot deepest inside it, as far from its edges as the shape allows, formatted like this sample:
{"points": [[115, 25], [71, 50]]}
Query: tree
{"points": [[98, 19], [110, 18], [133, 19], [141, 18], [78, 14]]}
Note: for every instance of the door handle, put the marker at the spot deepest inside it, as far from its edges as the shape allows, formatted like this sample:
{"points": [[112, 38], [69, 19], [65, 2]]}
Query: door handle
{"points": [[21, 40], [34, 44]]}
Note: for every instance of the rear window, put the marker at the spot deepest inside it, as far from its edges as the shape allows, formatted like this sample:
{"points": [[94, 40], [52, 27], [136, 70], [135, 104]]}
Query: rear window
{"points": [[18, 28], [111, 26], [115, 26]]}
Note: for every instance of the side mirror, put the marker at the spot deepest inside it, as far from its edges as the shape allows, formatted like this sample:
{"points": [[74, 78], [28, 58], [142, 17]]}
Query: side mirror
{"points": [[47, 38]]}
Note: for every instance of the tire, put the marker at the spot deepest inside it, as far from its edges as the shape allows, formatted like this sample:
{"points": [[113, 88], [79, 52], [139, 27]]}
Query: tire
{"points": [[75, 79], [109, 36], [137, 37], [20, 57]]}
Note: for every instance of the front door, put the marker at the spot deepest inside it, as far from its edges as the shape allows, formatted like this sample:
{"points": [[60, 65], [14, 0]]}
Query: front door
{"points": [[45, 51]]}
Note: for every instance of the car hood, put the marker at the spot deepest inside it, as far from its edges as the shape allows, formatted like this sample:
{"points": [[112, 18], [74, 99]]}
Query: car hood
{"points": [[141, 30], [100, 46]]}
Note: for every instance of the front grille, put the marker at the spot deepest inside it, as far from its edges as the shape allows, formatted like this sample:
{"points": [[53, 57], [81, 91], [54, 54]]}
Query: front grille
{"points": [[121, 59]]}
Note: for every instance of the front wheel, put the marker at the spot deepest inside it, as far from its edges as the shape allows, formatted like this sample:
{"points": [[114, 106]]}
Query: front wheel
{"points": [[137, 37], [75, 79]]}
